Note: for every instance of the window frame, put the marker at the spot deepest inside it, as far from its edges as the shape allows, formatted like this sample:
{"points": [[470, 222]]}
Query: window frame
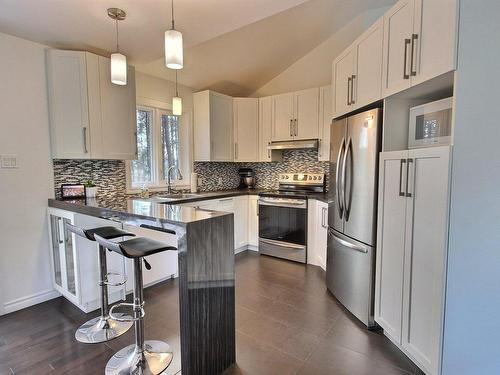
{"points": [[159, 182]]}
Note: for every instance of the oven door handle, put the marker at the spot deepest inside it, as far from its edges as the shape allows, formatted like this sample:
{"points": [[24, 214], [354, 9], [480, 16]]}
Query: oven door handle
{"points": [[282, 202], [282, 244]]}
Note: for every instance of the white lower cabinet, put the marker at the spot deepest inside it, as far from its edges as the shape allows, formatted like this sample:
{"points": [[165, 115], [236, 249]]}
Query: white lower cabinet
{"points": [[412, 251], [317, 233], [244, 209], [75, 260], [163, 265], [253, 222]]}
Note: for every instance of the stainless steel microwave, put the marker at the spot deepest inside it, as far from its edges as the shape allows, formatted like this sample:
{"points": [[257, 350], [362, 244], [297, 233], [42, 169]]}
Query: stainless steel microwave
{"points": [[430, 124]]}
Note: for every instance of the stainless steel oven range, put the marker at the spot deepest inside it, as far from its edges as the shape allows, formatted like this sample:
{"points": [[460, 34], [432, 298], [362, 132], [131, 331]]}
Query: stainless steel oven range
{"points": [[283, 216]]}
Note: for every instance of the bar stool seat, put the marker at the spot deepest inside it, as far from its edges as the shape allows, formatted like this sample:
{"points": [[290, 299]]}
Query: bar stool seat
{"points": [[102, 328], [145, 357]]}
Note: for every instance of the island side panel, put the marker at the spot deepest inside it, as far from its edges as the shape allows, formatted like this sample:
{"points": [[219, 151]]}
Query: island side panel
{"points": [[207, 296]]}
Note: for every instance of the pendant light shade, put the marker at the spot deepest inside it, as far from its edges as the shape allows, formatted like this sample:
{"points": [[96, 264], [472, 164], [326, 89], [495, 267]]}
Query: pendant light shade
{"points": [[174, 54], [118, 61], [118, 69], [174, 58], [177, 106], [176, 100]]}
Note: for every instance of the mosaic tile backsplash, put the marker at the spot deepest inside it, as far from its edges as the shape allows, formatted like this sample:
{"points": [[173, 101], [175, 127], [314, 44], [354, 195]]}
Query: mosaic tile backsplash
{"points": [[266, 174], [110, 177]]}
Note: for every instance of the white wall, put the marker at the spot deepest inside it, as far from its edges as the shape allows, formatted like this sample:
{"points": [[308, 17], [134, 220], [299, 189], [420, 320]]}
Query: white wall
{"points": [[315, 68], [472, 324], [24, 253], [157, 89]]}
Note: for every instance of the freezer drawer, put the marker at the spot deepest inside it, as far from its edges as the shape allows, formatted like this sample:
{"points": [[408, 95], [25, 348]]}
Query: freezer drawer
{"points": [[350, 275]]}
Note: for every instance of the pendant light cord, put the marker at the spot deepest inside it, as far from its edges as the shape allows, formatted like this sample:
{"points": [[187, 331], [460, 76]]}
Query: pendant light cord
{"points": [[173, 25], [176, 92], [117, 43]]}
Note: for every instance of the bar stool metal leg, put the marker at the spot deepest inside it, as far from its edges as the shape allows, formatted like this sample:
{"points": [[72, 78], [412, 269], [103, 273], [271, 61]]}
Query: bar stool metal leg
{"points": [[103, 328], [148, 357]]}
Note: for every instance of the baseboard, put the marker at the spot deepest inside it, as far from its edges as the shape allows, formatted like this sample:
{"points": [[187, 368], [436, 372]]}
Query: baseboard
{"points": [[30, 300], [253, 248]]}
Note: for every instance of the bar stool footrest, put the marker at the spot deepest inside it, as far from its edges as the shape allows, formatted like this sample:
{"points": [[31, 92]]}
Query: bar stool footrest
{"points": [[126, 318], [120, 282]]}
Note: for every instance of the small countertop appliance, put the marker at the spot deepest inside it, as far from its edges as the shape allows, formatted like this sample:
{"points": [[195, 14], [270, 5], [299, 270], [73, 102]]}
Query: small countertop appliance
{"points": [[247, 178]]}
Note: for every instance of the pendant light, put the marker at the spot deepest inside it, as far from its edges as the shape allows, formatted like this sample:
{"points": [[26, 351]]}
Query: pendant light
{"points": [[174, 55], [118, 61], [176, 100]]}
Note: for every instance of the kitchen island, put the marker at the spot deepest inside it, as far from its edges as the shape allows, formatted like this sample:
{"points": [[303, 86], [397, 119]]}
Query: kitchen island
{"points": [[206, 272]]}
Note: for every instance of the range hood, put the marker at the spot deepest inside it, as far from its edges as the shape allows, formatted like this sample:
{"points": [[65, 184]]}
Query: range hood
{"points": [[294, 145]]}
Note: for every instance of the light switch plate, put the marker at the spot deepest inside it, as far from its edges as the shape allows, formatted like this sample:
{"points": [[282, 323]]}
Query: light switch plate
{"points": [[9, 161]]}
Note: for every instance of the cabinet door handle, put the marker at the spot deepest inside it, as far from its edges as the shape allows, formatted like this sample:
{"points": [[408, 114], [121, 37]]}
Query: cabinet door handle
{"points": [[323, 221], [410, 161], [414, 38], [60, 239], [268, 151], [319, 147], [405, 75], [352, 88], [84, 130], [296, 128], [291, 132], [236, 150], [401, 192], [348, 90]]}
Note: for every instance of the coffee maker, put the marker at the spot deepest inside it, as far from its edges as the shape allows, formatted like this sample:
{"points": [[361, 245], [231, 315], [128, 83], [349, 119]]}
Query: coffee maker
{"points": [[247, 178]]}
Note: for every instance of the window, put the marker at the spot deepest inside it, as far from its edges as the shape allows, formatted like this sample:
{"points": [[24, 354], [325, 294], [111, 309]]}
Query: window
{"points": [[162, 143]]}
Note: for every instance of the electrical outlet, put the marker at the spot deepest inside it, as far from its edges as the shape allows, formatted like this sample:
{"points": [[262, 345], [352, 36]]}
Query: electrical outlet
{"points": [[200, 181], [9, 161], [219, 181]]}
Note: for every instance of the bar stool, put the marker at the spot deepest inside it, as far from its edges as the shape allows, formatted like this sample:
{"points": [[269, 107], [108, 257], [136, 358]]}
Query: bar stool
{"points": [[148, 357], [103, 328]]}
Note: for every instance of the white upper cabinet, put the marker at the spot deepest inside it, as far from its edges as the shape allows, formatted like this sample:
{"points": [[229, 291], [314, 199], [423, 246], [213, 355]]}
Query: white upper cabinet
{"points": [[296, 115], [265, 127], [398, 27], [367, 80], [118, 113], [419, 42], [89, 117], [213, 126], [325, 118], [283, 117], [246, 129], [306, 110], [68, 104], [342, 72], [357, 73], [435, 39]]}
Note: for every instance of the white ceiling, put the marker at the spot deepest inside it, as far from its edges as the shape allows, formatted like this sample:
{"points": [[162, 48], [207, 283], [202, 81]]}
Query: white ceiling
{"points": [[233, 46]]}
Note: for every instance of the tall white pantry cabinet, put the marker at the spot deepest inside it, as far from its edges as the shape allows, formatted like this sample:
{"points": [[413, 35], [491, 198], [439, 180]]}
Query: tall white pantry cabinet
{"points": [[414, 189]]}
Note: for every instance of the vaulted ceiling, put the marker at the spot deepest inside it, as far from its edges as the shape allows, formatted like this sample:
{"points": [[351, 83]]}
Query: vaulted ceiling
{"points": [[233, 46]]}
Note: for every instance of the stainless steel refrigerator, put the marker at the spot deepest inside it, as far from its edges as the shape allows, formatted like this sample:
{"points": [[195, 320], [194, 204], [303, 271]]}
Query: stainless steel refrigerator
{"points": [[350, 269]]}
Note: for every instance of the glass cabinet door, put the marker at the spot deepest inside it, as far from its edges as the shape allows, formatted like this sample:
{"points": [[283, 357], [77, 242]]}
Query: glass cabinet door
{"points": [[56, 242], [63, 256], [69, 259]]}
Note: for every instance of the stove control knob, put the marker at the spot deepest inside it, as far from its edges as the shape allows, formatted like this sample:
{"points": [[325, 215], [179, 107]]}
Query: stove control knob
{"points": [[315, 177], [287, 177]]}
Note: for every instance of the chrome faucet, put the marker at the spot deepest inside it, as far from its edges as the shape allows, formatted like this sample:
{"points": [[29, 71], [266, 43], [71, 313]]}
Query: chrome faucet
{"points": [[169, 182]]}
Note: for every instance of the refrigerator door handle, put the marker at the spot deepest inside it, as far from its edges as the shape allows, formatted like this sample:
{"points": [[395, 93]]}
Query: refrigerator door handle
{"points": [[337, 180], [348, 151], [350, 245], [408, 194]]}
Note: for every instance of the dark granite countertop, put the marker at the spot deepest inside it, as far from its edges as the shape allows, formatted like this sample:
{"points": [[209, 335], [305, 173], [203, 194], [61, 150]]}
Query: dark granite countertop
{"points": [[206, 195], [156, 208]]}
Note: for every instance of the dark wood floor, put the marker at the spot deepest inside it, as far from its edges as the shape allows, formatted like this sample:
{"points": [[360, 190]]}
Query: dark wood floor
{"points": [[286, 323]]}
